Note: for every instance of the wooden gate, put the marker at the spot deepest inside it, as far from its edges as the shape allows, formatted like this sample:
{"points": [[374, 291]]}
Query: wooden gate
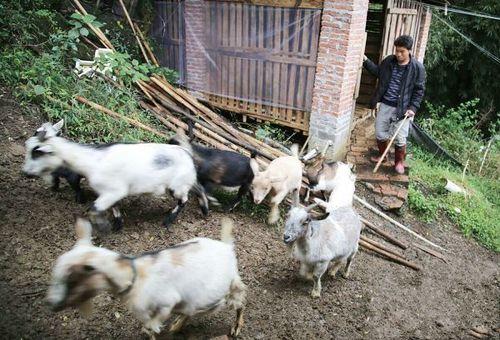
{"points": [[402, 17], [168, 31], [262, 60]]}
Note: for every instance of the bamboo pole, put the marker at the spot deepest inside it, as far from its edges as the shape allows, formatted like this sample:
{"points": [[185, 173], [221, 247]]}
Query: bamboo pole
{"points": [[389, 145], [97, 31], [396, 223], [134, 32], [119, 116], [400, 260], [146, 45], [386, 235]]}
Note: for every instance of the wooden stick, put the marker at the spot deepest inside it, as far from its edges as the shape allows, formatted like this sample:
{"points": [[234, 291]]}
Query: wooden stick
{"points": [[146, 45], [396, 223], [386, 235], [134, 32], [389, 145], [380, 246], [485, 154], [432, 252], [389, 255], [97, 31], [305, 145], [119, 116]]}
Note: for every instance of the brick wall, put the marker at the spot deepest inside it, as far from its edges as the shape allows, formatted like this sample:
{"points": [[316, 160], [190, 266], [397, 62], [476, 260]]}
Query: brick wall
{"points": [[194, 18], [340, 48], [423, 34]]}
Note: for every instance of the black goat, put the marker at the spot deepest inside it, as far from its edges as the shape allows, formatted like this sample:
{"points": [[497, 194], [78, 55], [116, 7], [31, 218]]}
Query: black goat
{"points": [[219, 168]]}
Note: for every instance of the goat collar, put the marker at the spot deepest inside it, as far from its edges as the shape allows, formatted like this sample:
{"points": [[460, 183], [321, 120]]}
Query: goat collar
{"points": [[134, 276]]}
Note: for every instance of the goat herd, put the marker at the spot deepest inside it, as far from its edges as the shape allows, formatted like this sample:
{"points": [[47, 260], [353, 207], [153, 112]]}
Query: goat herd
{"points": [[199, 275]]}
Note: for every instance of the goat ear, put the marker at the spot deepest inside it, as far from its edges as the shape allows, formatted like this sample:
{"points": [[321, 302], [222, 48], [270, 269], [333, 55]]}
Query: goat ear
{"points": [[59, 125], [45, 149], [255, 166], [83, 230]]}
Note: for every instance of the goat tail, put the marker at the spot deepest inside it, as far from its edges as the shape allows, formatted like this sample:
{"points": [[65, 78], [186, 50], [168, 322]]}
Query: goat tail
{"points": [[183, 140], [295, 150], [226, 234]]}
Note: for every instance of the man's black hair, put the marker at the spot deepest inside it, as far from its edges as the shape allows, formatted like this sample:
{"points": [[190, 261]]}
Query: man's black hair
{"points": [[404, 41]]}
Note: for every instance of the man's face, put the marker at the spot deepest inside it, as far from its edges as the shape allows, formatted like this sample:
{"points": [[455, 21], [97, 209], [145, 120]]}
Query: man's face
{"points": [[402, 54]]}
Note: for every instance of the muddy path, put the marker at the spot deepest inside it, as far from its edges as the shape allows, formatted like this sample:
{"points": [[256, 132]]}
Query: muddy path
{"points": [[381, 299]]}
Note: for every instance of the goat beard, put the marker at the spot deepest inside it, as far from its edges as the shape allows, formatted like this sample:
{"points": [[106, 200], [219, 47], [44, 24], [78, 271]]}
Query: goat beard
{"points": [[86, 308]]}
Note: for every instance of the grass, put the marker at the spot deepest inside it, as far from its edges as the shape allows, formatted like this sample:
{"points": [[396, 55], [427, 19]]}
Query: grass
{"points": [[477, 214]]}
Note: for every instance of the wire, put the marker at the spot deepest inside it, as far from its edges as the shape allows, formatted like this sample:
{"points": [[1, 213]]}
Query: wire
{"points": [[482, 49], [459, 11]]}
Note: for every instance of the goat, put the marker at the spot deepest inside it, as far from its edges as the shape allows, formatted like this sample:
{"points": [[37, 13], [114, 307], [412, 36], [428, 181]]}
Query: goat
{"points": [[196, 276], [335, 178], [316, 243], [326, 176], [283, 175], [115, 171], [49, 167], [218, 168]]}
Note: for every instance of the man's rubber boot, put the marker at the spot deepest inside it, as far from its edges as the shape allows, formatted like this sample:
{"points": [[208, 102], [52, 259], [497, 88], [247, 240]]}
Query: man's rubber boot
{"points": [[382, 144], [399, 155]]}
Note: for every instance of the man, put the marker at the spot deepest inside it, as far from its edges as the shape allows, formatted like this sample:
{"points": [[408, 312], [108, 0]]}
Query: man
{"points": [[399, 91]]}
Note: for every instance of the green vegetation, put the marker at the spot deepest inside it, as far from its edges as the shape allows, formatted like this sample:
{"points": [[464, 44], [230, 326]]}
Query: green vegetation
{"points": [[477, 213], [39, 49]]}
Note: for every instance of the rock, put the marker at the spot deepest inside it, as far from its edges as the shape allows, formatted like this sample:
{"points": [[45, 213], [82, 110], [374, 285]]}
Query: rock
{"points": [[16, 150]]}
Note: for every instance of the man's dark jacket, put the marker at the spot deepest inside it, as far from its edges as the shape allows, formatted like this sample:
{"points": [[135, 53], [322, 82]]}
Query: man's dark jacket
{"points": [[412, 85]]}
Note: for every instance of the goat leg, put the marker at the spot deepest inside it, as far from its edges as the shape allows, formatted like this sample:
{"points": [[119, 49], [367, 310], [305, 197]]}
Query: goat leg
{"points": [[242, 191], [117, 219], [172, 215], [74, 182], [179, 321], [238, 324], [55, 182]]}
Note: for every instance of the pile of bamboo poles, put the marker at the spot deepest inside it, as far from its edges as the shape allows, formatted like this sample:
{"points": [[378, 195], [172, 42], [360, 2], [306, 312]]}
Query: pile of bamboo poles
{"points": [[174, 106]]}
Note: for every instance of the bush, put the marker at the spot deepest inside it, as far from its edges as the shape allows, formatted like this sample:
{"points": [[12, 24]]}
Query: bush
{"points": [[476, 214], [455, 129]]}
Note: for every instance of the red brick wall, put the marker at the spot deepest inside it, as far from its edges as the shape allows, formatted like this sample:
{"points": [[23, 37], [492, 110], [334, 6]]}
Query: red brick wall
{"points": [[340, 49], [194, 18]]}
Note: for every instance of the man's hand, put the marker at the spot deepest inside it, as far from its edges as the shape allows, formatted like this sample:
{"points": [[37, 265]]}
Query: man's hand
{"points": [[410, 114]]}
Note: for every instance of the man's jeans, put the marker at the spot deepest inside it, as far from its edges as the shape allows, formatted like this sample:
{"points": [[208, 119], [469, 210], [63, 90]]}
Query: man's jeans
{"points": [[386, 124]]}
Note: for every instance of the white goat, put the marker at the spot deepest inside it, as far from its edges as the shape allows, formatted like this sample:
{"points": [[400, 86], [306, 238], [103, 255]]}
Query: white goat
{"points": [[342, 187], [316, 243], [190, 278], [283, 175], [335, 178], [115, 171]]}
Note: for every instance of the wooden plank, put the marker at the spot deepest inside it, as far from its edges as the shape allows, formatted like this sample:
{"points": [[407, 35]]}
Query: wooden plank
{"points": [[259, 64], [284, 67], [276, 65], [245, 63], [311, 71], [318, 4], [404, 11], [292, 79]]}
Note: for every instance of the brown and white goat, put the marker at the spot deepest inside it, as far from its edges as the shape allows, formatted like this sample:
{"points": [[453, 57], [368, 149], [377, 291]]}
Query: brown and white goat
{"points": [[190, 278], [282, 176]]}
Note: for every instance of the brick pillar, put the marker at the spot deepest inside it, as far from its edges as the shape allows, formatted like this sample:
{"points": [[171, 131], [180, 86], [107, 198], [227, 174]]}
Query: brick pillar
{"points": [[340, 47], [195, 27], [423, 34]]}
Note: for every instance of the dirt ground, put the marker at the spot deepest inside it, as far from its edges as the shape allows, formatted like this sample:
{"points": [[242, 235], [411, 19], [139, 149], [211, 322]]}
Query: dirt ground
{"points": [[381, 299]]}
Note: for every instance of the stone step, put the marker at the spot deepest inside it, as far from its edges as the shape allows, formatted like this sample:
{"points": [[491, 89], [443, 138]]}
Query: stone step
{"points": [[385, 173]]}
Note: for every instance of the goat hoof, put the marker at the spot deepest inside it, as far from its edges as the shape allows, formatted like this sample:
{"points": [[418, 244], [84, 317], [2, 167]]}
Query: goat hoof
{"points": [[235, 331], [315, 293], [80, 199], [167, 222]]}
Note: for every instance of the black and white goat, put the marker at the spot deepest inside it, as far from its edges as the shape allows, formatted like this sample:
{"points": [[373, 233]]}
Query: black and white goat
{"points": [[116, 171], [191, 278], [218, 168], [49, 167]]}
